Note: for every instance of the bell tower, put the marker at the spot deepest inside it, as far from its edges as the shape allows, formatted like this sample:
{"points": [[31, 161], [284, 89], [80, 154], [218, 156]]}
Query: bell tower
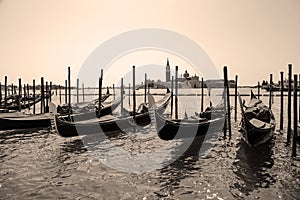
{"points": [[168, 71]]}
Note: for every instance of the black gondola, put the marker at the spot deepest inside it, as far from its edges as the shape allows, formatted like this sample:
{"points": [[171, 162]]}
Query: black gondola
{"points": [[168, 129], [108, 124], [78, 107], [17, 120], [106, 109], [258, 122]]}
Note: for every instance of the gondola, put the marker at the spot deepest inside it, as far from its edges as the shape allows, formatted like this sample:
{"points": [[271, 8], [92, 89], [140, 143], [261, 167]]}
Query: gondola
{"points": [[109, 124], [169, 129], [81, 106], [17, 120], [24, 105], [258, 122], [106, 109]]}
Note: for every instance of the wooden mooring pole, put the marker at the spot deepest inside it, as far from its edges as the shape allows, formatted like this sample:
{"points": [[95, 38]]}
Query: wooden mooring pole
{"points": [[66, 91], [100, 93], [122, 94], [83, 100], [47, 97], [270, 93], [42, 95], [225, 114], [295, 136], [281, 101], [228, 100], [59, 90], [69, 88], [28, 96], [33, 91], [25, 95], [0, 95], [77, 91], [202, 95], [20, 93], [50, 91], [172, 95], [114, 92], [145, 89], [289, 105], [129, 94], [176, 92], [258, 90], [5, 92], [235, 98], [133, 91]]}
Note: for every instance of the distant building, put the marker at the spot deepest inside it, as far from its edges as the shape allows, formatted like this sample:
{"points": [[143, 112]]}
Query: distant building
{"points": [[219, 83], [168, 71]]}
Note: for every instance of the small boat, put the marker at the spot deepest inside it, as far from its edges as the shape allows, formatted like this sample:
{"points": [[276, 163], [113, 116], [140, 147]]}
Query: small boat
{"points": [[109, 124], [82, 106], [106, 109], [258, 122], [18, 120], [169, 129], [24, 105]]}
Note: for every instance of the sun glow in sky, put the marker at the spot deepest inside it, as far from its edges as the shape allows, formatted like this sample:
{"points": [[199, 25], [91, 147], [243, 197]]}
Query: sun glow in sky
{"points": [[253, 38]]}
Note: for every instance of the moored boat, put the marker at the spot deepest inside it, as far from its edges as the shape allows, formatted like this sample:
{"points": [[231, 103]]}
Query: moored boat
{"points": [[17, 120], [258, 122], [109, 124], [168, 129]]}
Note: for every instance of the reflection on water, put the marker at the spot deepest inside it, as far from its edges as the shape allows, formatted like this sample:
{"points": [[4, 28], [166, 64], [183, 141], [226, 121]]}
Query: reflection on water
{"points": [[252, 166], [184, 166]]}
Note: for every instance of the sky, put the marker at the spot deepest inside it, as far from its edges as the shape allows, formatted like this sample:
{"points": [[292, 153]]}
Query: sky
{"points": [[253, 38]]}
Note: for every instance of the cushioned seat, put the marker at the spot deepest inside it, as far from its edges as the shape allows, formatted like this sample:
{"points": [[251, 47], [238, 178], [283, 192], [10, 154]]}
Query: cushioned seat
{"points": [[257, 123]]}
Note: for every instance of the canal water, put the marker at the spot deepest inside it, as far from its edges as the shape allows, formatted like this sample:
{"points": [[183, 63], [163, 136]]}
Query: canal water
{"points": [[38, 164]]}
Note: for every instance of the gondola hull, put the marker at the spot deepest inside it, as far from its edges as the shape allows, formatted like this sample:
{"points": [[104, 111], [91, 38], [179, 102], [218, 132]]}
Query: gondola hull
{"points": [[24, 122], [109, 125], [255, 136], [176, 129]]}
